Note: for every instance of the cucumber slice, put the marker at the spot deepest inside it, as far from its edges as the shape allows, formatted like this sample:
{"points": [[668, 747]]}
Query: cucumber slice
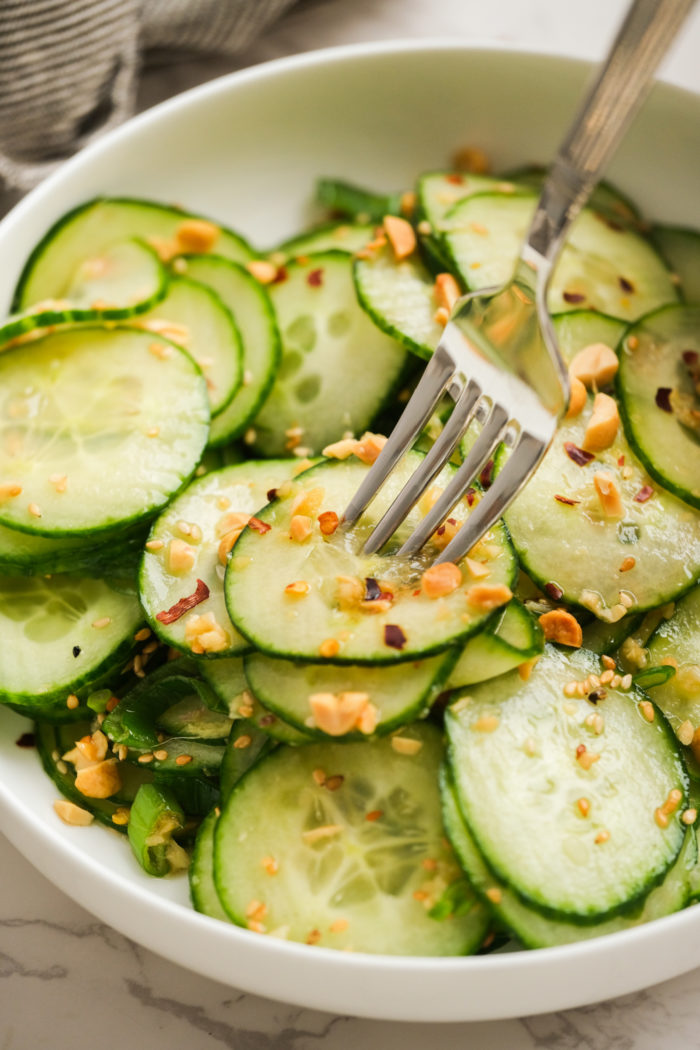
{"points": [[512, 639], [246, 745], [580, 328], [399, 297], [519, 774], [84, 630], [337, 368], [96, 429], [658, 384], [531, 927], [195, 525], [680, 247], [355, 202], [604, 638], [439, 191], [340, 236], [194, 317], [602, 267], [400, 694], [91, 229], [127, 279], [227, 679], [583, 552], [205, 899], [25, 554], [53, 741], [356, 883], [296, 626], [606, 199], [678, 639], [250, 305], [155, 817]]}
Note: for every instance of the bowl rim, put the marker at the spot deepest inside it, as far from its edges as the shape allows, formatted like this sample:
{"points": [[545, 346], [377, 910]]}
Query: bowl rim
{"points": [[32, 836]]}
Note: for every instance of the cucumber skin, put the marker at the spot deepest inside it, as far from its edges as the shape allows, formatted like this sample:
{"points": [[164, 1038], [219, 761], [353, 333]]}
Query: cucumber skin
{"points": [[418, 349], [38, 250]]}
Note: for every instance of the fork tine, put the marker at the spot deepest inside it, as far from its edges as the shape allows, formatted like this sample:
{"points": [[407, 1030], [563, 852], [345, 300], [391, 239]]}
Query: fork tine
{"points": [[431, 466], [526, 454], [440, 370], [495, 424]]}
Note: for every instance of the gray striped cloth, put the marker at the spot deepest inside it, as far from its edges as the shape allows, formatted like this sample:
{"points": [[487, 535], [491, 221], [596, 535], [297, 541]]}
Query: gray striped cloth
{"points": [[68, 68]]}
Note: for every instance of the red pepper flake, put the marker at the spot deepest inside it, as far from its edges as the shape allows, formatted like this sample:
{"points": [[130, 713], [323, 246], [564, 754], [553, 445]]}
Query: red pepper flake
{"points": [[573, 297], [663, 399], [280, 276], [394, 636], [644, 494], [621, 460], [626, 285], [567, 501], [267, 720], [456, 180], [374, 814], [555, 592], [578, 455], [486, 476], [471, 497], [374, 593], [26, 740], [690, 358], [315, 278], [185, 604], [259, 526], [271, 494]]}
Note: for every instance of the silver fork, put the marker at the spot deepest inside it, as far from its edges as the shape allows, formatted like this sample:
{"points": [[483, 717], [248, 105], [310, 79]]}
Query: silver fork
{"points": [[498, 356]]}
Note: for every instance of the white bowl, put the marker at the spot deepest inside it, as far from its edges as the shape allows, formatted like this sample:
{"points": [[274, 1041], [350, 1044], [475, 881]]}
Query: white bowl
{"points": [[246, 149]]}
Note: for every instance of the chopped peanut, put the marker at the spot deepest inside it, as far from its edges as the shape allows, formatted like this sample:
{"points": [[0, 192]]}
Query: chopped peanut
{"points": [[328, 522], [10, 489], [405, 745], [72, 814], [595, 365], [441, 579], [329, 647], [401, 236], [262, 271], [99, 780], [472, 159], [446, 291], [232, 520], [560, 626], [308, 502], [300, 528], [181, 557], [487, 596], [350, 592], [603, 425], [340, 449], [298, 589], [477, 569], [577, 398], [608, 494], [226, 544], [205, 635], [369, 446], [196, 235], [337, 714]]}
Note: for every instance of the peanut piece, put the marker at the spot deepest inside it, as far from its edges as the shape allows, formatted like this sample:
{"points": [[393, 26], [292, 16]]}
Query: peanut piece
{"points": [[487, 596], [560, 626], [441, 579], [446, 291], [300, 528], [181, 556], [595, 365], [72, 814], [401, 236], [577, 400], [608, 494], [99, 780], [603, 425], [196, 235]]}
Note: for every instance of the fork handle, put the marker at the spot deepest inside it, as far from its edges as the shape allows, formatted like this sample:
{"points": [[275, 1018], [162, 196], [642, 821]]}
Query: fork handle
{"points": [[617, 93]]}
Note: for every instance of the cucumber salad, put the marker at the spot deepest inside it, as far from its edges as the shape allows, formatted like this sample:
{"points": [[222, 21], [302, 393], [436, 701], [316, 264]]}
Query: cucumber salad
{"points": [[363, 752]]}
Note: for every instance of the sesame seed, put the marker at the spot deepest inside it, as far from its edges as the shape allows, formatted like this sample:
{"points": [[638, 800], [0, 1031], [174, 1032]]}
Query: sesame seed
{"points": [[601, 837], [242, 742], [626, 681], [339, 926], [250, 436], [690, 816], [584, 806], [685, 732], [325, 831], [145, 759], [270, 865], [154, 545], [608, 663], [494, 894], [183, 760], [104, 621], [72, 702], [405, 746], [314, 937], [142, 635], [647, 709], [61, 767], [120, 816], [161, 754], [34, 510]]}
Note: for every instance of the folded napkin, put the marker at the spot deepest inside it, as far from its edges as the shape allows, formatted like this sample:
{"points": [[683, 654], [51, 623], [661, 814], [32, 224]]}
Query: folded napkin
{"points": [[68, 68]]}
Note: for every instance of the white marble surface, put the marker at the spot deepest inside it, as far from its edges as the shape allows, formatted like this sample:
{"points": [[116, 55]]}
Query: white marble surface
{"points": [[67, 981]]}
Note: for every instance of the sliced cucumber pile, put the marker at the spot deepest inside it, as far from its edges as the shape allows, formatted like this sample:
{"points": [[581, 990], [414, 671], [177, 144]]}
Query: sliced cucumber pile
{"points": [[347, 750]]}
